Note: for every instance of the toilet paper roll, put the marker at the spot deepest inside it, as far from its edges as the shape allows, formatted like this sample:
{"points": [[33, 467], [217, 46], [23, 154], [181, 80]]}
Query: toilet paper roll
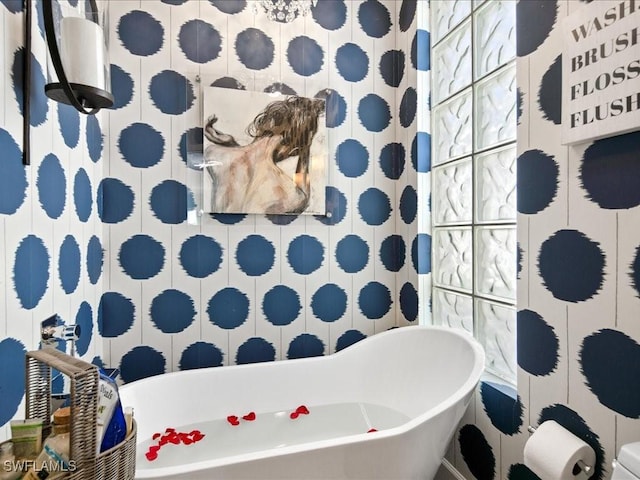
{"points": [[82, 51], [554, 453]]}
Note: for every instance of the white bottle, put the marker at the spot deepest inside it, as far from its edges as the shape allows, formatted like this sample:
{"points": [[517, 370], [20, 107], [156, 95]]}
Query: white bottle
{"points": [[53, 461]]}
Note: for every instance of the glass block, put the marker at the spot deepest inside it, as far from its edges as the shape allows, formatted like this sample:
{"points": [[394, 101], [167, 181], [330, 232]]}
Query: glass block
{"points": [[452, 193], [495, 185], [495, 120], [453, 310], [445, 15], [495, 36], [451, 63], [496, 262], [496, 332], [452, 128], [453, 258]]}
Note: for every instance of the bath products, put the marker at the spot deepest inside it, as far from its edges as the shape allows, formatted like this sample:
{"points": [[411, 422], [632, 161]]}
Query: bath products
{"points": [[53, 462], [128, 418], [8, 465], [26, 436], [111, 426]]}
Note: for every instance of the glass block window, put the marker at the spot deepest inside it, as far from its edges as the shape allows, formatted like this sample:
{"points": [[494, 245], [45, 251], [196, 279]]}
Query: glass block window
{"points": [[473, 84]]}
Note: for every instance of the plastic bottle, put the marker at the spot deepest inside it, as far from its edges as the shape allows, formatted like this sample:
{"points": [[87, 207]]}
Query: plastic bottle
{"points": [[53, 461], [8, 463]]}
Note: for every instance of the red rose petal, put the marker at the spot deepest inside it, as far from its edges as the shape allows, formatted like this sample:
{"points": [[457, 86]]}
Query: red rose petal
{"points": [[302, 410], [156, 436], [151, 456], [251, 416], [371, 430], [154, 448], [164, 440], [170, 430], [233, 420], [194, 432], [199, 436], [293, 415]]}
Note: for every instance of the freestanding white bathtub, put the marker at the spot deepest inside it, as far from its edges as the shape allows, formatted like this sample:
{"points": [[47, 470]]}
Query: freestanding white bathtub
{"points": [[411, 385]]}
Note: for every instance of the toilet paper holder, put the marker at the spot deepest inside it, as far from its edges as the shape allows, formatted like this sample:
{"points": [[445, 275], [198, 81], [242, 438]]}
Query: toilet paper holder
{"points": [[579, 464]]}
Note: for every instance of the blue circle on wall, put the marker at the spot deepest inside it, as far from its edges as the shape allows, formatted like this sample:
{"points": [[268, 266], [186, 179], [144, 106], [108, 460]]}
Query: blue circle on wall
{"points": [[39, 106], [305, 254], [374, 18], [374, 300], [330, 15], [518, 471], [336, 207], [199, 41], [115, 200], [408, 204], [537, 344], [84, 319], [190, 146], [408, 107], [228, 218], [141, 145], [421, 152], [52, 186], [141, 362], [305, 56], [571, 265], [140, 33], [116, 314], [374, 206], [200, 256], [200, 355], [13, 176], [352, 158], [549, 95], [172, 311], [610, 172], [230, 7], [141, 257], [329, 303], [121, 87], [254, 49], [545, 13], [31, 271], [281, 305], [14, 6], [304, 346], [352, 62], [407, 14], [12, 377], [228, 308], [409, 302], [635, 272], [392, 63], [392, 160], [171, 92], [374, 113], [169, 202], [421, 253], [393, 252], [352, 253], [95, 139], [69, 264], [82, 195], [349, 338], [95, 259], [228, 82], [255, 255], [69, 124], [336, 109], [503, 407], [537, 180], [610, 361], [255, 350], [477, 453]]}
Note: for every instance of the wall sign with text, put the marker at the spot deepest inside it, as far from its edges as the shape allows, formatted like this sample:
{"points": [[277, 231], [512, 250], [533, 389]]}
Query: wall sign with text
{"points": [[601, 71]]}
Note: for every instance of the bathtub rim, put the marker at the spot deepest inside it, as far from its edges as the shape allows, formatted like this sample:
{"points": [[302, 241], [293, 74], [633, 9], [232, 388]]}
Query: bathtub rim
{"points": [[464, 390]]}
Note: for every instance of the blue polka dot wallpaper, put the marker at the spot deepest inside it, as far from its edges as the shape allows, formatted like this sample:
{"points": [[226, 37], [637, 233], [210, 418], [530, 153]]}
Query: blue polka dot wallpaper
{"points": [[184, 289], [578, 328], [50, 231]]}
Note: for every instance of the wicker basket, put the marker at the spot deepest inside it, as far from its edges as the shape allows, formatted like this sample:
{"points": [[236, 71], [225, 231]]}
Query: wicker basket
{"points": [[118, 463]]}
